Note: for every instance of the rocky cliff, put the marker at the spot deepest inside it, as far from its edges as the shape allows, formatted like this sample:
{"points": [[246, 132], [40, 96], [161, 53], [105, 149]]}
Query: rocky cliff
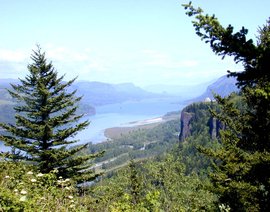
{"points": [[214, 127], [185, 125], [196, 118]]}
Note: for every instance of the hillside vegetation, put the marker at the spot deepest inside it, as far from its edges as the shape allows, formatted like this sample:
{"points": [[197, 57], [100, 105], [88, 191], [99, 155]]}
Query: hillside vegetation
{"points": [[221, 163]]}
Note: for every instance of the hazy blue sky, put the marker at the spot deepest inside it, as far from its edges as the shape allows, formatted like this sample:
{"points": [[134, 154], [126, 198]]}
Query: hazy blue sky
{"points": [[140, 41]]}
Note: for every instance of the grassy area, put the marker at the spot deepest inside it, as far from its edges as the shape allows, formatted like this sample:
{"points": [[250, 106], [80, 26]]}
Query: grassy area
{"points": [[118, 132], [137, 142]]}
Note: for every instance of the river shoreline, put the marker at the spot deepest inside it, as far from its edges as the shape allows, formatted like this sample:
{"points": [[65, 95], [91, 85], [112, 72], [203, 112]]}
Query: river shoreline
{"points": [[117, 132]]}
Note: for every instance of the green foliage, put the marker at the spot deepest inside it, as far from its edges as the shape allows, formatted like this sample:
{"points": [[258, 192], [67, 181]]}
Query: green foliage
{"points": [[241, 176], [46, 121], [22, 188], [201, 132], [177, 190], [194, 160], [138, 144], [224, 42], [156, 185]]}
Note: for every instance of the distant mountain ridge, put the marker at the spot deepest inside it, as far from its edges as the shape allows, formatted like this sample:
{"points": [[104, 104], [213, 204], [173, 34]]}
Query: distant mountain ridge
{"points": [[223, 86], [99, 93], [94, 94], [184, 91], [198, 110]]}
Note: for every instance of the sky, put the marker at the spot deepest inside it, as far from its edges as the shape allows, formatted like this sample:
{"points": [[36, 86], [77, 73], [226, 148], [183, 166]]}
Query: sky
{"points": [[145, 42]]}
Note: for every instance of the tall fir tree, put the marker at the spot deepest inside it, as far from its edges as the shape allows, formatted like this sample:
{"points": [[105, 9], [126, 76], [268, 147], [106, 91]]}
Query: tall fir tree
{"points": [[46, 122], [241, 175]]}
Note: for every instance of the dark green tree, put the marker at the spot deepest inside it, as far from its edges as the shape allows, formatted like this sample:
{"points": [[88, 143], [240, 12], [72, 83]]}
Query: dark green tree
{"points": [[135, 183], [46, 122], [242, 170]]}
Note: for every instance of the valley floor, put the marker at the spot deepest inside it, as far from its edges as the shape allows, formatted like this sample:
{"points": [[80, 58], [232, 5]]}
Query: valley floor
{"points": [[117, 132]]}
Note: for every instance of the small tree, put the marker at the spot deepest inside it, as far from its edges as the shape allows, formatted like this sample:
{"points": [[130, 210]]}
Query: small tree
{"points": [[135, 183], [242, 170], [46, 122]]}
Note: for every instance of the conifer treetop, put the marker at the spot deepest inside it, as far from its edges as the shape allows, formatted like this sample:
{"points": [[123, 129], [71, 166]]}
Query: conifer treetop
{"points": [[46, 121]]}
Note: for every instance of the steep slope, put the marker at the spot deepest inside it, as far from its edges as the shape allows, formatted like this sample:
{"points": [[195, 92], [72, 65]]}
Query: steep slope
{"points": [[196, 118], [223, 86]]}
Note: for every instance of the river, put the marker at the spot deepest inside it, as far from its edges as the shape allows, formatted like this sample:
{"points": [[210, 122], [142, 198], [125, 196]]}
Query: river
{"points": [[121, 114]]}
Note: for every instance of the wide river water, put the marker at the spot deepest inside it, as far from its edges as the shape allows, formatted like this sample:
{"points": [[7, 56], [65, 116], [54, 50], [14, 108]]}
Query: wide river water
{"points": [[121, 114]]}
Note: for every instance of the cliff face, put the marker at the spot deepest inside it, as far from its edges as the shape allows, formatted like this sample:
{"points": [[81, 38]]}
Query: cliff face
{"points": [[214, 127], [196, 118], [185, 125]]}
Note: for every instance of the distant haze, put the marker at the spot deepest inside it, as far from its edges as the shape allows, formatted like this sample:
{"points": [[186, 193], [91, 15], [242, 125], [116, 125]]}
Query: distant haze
{"points": [[145, 42], [185, 91]]}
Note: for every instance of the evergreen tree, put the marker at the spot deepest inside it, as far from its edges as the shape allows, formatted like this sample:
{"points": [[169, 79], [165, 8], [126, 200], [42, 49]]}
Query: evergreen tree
{"points": [[242, 164], [46, 122], [135, 183]]}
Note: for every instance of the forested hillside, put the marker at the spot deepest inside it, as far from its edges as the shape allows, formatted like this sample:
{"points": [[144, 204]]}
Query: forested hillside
{"points": [[215, 157], [139, 144]]}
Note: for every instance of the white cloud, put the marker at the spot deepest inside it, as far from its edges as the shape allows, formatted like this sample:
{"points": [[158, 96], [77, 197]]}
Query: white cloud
{"points": [[162, 60], [13, 55], [67, 61], [142, 67], [63, 54], [84, 63], [83, 59]]}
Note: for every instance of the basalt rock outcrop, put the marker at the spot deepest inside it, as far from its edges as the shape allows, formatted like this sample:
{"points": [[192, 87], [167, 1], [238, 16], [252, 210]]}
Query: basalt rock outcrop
{"points": [[195, 118], [185, 125], [214, 127]]}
